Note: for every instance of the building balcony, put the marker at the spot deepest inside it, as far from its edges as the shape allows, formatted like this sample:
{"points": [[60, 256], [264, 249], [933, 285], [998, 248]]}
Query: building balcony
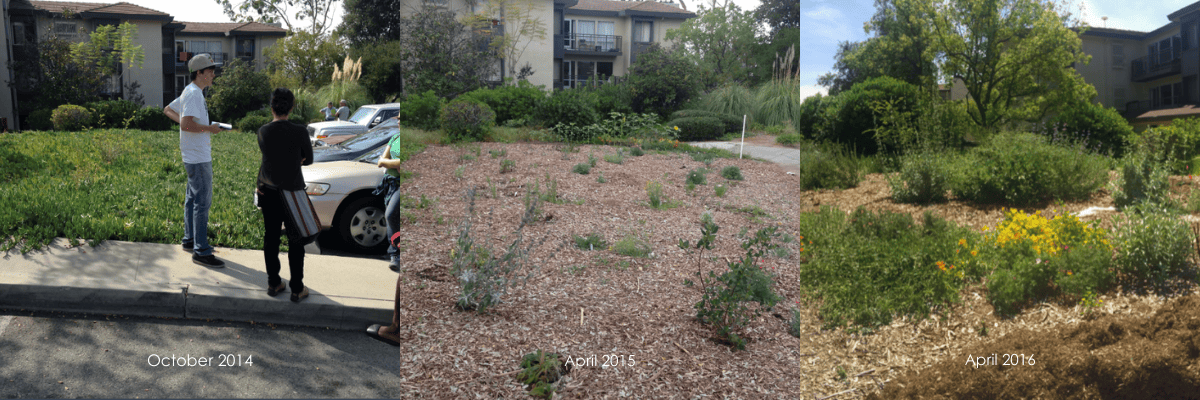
{"points": [[1150, 67], [589, 44], [181, 61]]}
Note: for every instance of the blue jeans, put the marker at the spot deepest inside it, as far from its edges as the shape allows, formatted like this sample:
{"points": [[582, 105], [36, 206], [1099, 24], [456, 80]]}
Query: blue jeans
{"points": [[393, 215], [196, 203]]}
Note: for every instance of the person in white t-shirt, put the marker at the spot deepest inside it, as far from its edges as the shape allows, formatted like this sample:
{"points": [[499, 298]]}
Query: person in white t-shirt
{"points": [[195, 135], [343, 112]]}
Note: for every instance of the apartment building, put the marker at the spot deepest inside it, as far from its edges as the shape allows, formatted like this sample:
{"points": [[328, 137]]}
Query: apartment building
{"points": [[167, 44], [1150, 77], [584, 39]]}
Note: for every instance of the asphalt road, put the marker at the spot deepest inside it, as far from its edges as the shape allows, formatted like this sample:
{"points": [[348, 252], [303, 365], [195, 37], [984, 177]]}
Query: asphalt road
{"points": [[55, 355]]}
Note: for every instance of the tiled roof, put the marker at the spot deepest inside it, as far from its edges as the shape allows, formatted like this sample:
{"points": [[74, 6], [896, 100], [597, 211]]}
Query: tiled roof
{"points": [[106, 8], [610, 5], [1170, 112], [225, 27]]}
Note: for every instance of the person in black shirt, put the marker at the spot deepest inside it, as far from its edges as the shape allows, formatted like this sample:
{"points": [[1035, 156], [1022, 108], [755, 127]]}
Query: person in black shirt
{"points": [[285, 147]]}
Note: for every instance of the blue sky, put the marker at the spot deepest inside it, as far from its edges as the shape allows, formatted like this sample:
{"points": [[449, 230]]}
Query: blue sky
{"points": [[824, 23]]}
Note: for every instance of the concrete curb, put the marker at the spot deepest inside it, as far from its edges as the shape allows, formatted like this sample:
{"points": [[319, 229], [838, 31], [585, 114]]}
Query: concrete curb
{"points": [[146, 300]]}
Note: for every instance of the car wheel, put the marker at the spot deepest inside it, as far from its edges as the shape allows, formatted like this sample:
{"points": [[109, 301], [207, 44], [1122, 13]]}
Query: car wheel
{"points": [[362, 226]]}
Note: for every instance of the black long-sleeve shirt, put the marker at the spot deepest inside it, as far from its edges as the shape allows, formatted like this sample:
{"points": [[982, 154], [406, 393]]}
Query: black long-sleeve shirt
{"points": [[283, 145]]}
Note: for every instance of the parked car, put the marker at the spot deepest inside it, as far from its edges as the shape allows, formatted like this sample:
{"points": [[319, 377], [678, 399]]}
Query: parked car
{"points": [[341, 194], [365, 118], [357, 145]]}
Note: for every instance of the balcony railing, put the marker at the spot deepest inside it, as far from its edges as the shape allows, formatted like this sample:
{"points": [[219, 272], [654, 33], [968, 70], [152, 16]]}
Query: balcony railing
{"points": [[592, 43], [576, 81], [182, 59], [1151, 67]]}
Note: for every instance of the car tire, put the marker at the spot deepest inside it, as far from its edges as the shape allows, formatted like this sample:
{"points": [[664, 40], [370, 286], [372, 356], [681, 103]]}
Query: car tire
{"points": [[362, 226]]}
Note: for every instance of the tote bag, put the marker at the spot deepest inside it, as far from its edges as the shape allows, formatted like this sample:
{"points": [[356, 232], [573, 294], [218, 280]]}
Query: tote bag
{"points": [[303, 216]]}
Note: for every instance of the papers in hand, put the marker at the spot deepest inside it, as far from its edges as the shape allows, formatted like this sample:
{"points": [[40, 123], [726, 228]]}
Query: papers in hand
{"points": [[225, 126]]}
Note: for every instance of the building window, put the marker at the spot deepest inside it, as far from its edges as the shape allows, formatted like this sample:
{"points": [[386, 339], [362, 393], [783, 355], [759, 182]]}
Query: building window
{"points": [[19, 38], [1118, 56], [245, 48], [643, 31], [1167, 95], [66, 30]]}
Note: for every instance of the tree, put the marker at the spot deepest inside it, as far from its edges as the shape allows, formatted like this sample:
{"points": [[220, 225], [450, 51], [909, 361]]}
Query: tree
{"points": [[380, 63], [662, 81], [901, 47], [521, 27], [239, 90], [771, 48], [440, 53], [306, 57], [723, 39], [108, 47], [372, 21], [46, 75], [778, 14], [1015, 56], [271, 11]]}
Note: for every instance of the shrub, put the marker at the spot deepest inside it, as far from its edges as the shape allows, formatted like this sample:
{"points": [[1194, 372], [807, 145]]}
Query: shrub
{"points": [[1101, 127], [466, 120], [809, 115], [1022, 168], [538, 373], [698, 128], [632, 246], [1029, 253], [729, 123], [68, 117], [608, 98], [662, 81], [39, 120], [789, 139], [251, 123], [151, 119], [508, 101], [1141, 178], [1153, 245], [1177, 144], [484, 279], [732, 173], [637, 152], [720, 190], [238, 90], [725, 299], [582, 168], [923, 178], [826, 166], [567, 107], [590, 242], [696, 176], [507, 166], [112, 113], [850, 117], [421, 111], [615, 158]]}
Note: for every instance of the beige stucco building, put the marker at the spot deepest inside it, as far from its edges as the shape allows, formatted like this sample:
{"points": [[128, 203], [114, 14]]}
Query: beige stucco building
{"points": [[1150, 77], [166, 44]]}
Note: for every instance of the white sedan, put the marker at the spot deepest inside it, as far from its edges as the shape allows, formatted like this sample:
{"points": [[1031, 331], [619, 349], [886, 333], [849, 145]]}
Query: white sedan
{"points": [[341, 193]]}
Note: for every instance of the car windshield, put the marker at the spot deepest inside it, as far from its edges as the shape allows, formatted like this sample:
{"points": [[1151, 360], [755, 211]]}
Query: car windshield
{"points": [[372, 156], [372, 138], [360, 116]]}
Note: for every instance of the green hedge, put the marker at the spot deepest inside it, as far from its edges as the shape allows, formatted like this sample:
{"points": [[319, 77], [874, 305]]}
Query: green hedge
{"points": [[70, 117], [152, 119], [467, 120], [692, 129], [112, 113], [509, 102], [730, 123]]}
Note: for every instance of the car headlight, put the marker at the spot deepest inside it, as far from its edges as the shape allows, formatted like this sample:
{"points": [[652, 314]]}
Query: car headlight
{"points": [[316, 189]]}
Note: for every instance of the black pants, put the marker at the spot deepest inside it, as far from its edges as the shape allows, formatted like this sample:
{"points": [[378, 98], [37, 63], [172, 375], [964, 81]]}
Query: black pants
{"points": [[274, 216]]}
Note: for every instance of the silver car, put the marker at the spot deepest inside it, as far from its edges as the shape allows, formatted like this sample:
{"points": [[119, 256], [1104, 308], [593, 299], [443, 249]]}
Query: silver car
{"points": [[341, 193]]}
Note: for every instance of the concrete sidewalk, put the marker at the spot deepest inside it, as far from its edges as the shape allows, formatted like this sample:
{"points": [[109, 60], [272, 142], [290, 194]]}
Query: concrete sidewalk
{"points": [[160, 280], [787, 157]]}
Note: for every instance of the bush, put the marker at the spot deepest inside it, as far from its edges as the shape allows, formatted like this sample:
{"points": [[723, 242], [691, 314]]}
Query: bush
{"points": [[733, 100], [1141, 179], [826, 166], [1153, 245], [729, 123], [467, 120], [238, 90], [421, 111], [1022, 169], [809, 115], [484, 279], [1102, 128], [39, 120], [777, 101], [662, 81], [112, 113], [697, 176], [1030, 253], [923, 178], [632, 246], [567, 107], [850, 117], [1177, 144], [68, 117], [251, 123], [611, 98], [725, 298], [789, 139], [732, 173], [698, 128], [508, 101], [151, 119]]}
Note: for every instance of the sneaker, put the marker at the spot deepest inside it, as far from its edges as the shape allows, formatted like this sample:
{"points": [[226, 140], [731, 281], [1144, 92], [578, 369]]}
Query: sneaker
{"points": [[296, 297], [210, 261], [395, 267], [187, 247]]}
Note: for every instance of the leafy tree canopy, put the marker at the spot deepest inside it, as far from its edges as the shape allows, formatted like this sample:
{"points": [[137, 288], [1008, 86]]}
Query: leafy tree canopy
{"points": [[372, 21], [305, 58], [779, 14], [279, 11], [723, 39]]}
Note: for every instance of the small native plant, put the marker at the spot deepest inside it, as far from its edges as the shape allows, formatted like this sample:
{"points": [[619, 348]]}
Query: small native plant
{"points": [[539, 372], [582, 168], [1143, 178], [1153, 247], [507, 165], [484, 274], [725, 302], [828, 166], [632, 246], [697, 176], [732, 173], [655, 194], [590, 242], [922, 179]]}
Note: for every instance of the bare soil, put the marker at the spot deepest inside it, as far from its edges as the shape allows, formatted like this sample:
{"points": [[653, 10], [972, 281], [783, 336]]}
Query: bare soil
{"points": [[598, 307]]}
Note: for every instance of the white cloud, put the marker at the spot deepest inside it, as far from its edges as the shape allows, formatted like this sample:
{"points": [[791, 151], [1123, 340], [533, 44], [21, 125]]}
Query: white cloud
{"points": [[828, 24], [810, 90]]}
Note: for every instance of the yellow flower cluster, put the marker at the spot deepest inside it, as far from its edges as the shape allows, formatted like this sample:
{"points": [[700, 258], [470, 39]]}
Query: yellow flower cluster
{"points": [[1044, 235]]}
